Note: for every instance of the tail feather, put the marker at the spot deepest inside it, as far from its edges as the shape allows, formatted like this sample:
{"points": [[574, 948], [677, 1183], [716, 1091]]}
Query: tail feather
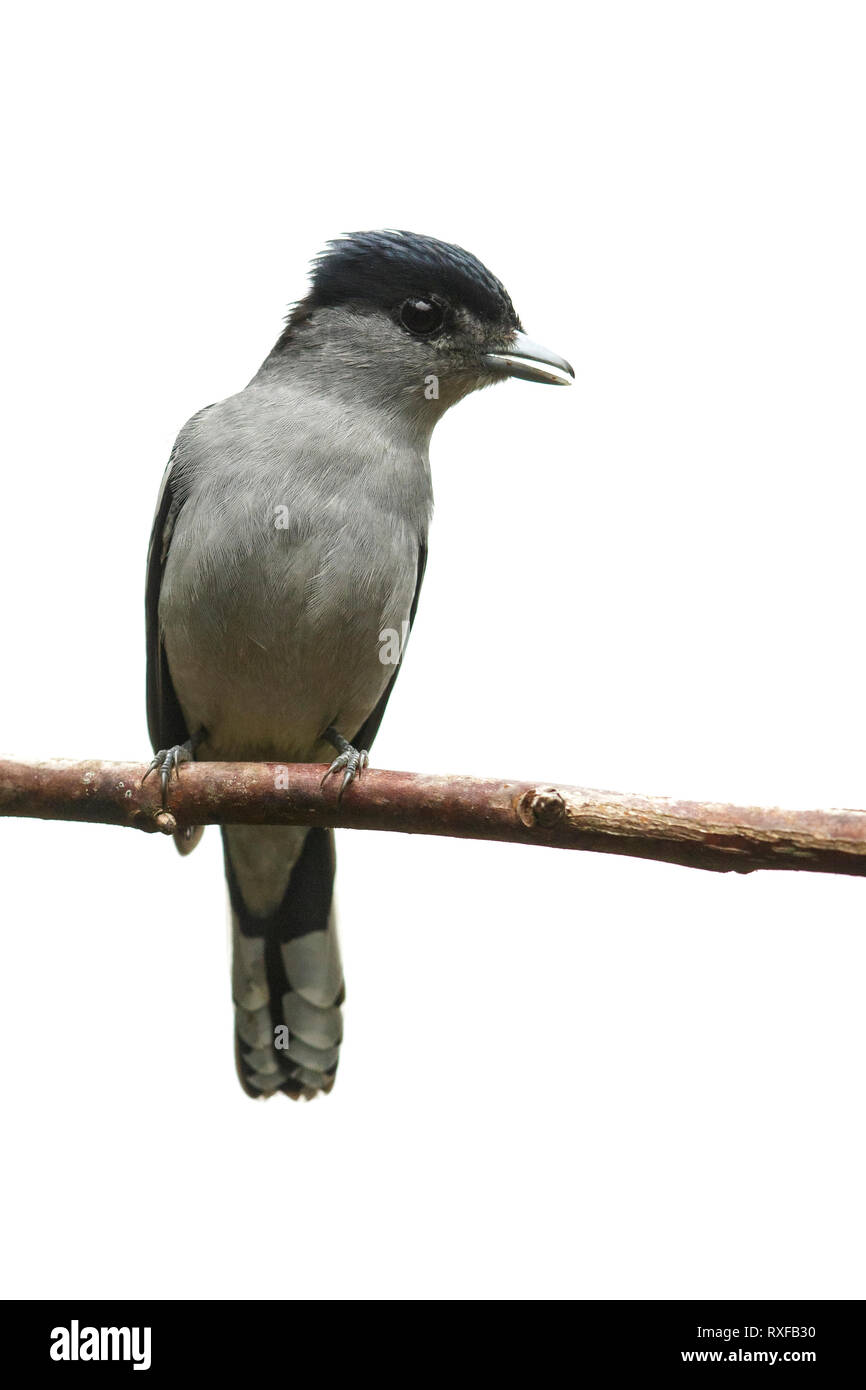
{"points": [[186, 840], [287, 979]]}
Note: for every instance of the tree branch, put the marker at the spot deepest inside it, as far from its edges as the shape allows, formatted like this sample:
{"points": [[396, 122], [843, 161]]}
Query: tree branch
{"points": [[701, 835]]}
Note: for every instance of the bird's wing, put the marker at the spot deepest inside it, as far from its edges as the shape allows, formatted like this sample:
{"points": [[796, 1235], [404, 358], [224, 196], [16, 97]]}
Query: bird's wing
{"points": [[165, 722], [370, 727]]}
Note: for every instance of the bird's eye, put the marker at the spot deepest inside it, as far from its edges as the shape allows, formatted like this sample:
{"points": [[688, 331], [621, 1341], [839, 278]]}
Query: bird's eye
{"points": [[422, 316]]}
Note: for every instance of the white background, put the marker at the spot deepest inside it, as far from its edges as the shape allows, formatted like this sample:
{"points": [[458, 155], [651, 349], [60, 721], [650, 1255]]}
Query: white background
{"points": [[563, 1075]]}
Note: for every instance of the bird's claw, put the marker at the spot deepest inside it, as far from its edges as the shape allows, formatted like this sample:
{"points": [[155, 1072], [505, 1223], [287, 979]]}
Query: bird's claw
{"points": [[168, 760], [354, 761]]}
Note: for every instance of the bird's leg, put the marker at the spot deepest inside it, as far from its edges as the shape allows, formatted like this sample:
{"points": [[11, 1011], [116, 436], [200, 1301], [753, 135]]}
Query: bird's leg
{"points": [[170, 759], [352, 759]]}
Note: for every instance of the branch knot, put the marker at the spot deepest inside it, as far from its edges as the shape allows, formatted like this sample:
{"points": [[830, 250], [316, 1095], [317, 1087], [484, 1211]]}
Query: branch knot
{"points": [[542, 806]]}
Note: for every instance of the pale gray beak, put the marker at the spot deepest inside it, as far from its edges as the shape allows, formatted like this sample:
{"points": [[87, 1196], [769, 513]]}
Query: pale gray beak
{"points": [[531, 361]]}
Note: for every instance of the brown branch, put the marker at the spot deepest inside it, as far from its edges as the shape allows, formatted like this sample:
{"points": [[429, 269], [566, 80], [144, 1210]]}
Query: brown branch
{"points": [[701, 835]]}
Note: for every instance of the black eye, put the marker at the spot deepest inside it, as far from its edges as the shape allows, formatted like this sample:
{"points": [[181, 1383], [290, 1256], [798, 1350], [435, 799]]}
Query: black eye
{"points": [[422, 316]]}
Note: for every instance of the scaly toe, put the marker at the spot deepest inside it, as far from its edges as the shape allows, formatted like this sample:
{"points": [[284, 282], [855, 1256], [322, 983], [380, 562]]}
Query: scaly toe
{"points": [[165, 760], [341, 761], [353, 761]]}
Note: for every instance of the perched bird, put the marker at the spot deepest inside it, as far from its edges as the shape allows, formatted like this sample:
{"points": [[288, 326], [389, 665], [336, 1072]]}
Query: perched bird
{"points": [[290, 534]]}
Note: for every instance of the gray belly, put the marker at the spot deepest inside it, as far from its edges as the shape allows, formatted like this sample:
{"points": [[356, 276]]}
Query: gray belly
{"points": [[271, 636]]}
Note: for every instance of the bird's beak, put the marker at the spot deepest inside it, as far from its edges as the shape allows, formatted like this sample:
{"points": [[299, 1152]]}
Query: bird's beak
{"points": [[531, 361]]}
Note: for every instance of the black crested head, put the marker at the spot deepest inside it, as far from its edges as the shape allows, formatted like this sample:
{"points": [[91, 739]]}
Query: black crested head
{"points": [[382, 269], [406, 320]]}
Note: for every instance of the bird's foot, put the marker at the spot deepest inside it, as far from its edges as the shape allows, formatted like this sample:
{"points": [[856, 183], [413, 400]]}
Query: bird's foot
{"points": [[168, 760], [351, 761]]}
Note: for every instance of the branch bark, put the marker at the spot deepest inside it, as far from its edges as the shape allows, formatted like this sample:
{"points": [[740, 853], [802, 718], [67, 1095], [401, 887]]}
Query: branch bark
{"points": [[702, 835]]}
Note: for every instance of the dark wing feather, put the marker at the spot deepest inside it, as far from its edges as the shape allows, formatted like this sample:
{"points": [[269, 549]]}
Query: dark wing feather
{"points": [[165, 721], [365, 735]]}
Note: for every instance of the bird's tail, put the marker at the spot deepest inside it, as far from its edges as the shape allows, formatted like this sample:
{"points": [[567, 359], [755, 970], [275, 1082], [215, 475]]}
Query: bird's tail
{"points": [[287, 979]]}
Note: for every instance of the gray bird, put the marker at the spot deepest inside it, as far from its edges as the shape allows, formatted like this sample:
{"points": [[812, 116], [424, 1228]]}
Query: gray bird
{"points": [[290, 536]]}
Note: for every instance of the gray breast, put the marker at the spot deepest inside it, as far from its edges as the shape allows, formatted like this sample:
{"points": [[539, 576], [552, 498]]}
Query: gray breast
{"points": [[294, 550]]}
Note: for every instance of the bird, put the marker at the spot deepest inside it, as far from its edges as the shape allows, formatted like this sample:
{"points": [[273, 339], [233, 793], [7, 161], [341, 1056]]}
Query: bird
{"points": [[290, 536]]}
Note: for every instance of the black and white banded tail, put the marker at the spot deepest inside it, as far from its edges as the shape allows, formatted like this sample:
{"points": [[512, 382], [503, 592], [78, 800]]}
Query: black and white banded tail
{"points": [[287, 979]]}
